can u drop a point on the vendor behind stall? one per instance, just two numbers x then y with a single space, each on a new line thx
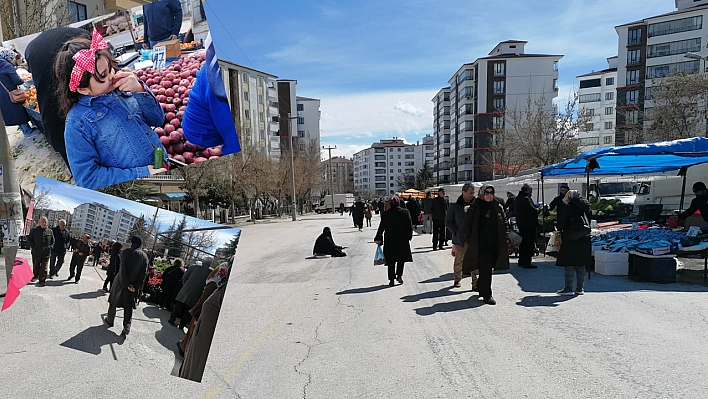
700 203
162 20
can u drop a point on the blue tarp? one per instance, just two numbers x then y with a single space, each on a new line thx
634 159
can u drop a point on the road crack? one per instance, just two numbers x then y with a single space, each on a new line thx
307 356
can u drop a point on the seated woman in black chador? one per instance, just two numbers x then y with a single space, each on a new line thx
325 245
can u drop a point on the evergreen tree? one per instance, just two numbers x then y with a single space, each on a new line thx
175 245
139 228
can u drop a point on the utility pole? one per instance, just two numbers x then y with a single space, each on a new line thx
11 216
331 176
292 164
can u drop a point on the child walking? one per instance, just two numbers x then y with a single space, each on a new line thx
108 116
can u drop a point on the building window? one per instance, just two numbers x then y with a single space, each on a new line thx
632 117
555 66
77 12
399 164
589 98
633 57
634 37
584 84
261 116
498 104
499 69
498 87
607 139
391 177
632 97
610 96
390 156
391 184
609 110
245 77
589 127
301 133
633 77
300 121
674 48
609 81
379 150
262 134
676 26
379 157
300 107
247 114
390 170
589 111
608 125
380 164
659 71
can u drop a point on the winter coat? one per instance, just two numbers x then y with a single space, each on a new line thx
358 209
198 347
455 220
396 232
427 203
438 208
41 241
413 209
108 137
510 206
133 269
576 252
114 262
193 283
97 250
526 212
367 211
82 247
471 236
13 114
558 203
325 245
697 204
61 240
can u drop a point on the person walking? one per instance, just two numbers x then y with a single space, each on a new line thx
367 213
414 210
124 291
527 222
510 198
438 209
14 114
395 233
341 208
486 233
576 247
97 252
172 283
61 242
81 252
113 265
454 221
427 218
41 241
358 213
193 283
382 205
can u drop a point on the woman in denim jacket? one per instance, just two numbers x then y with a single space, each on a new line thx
108 116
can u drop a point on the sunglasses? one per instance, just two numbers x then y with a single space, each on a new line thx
489 192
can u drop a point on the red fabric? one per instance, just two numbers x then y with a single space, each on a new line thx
21 275
86 60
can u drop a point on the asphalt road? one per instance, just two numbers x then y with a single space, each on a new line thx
293 327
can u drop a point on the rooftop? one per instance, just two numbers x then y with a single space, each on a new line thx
645 20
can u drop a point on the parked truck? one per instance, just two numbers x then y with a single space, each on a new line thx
325 204
667 191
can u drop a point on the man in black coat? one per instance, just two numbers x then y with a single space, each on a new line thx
509 205
81 252
358 213
527 221
454 221
97 252
438 209
61 242
124 292
557 202
700 203
413 209
40 54
41 241
427 219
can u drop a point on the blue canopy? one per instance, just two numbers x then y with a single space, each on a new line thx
634 159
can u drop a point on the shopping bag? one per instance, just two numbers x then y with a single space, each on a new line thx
379 258
514 239
421 218
554 243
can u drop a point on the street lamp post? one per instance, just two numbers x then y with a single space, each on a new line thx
292 165
331 176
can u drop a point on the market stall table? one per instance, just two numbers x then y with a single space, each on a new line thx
700 249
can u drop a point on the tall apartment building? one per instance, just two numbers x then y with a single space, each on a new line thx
425 152
101 222
653 48
377 169
53 217
298 119
342 170
597 102
480 94
253 98
441 133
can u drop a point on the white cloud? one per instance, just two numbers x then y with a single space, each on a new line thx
408 108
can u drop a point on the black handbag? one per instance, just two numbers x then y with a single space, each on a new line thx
575 234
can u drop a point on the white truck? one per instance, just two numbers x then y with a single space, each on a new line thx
667 190
325 204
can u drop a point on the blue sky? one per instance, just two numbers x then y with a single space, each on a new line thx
376 64
65 196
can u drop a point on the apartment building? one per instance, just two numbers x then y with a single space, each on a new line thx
441 133
378 169
652 48
101 222
53 217
308 123
342 172
298 119
481 94
597 102
253 98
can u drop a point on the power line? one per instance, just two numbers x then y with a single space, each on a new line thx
228 33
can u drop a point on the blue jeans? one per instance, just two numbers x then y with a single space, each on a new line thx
26 129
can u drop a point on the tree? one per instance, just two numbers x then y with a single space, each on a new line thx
194 176
424 177
406 180
676 107
139 229
197 242
230 248
134 190
25 17
175 242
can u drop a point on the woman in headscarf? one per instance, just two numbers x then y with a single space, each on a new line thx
14 114
486 234
576 246
324 245
395 233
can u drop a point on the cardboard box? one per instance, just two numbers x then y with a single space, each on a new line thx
172 49
612 268
611 257
658 250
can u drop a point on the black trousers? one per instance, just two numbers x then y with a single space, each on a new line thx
76 266
438 233
127 316
485 263
55 263
109 280
395 269
527 247
96 260
181 311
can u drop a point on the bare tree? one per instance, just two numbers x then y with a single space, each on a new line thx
675 107
42 197
134 190
194 176
197 240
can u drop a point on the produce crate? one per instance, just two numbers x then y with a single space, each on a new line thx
36 118
654 269
172 49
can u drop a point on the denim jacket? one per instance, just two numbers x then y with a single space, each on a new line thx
109 139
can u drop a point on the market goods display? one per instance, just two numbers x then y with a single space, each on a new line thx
171 87
31 101
190 46
652 241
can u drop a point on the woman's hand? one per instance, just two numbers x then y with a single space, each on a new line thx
125 80
154 171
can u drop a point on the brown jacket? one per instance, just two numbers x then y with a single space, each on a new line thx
471 237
